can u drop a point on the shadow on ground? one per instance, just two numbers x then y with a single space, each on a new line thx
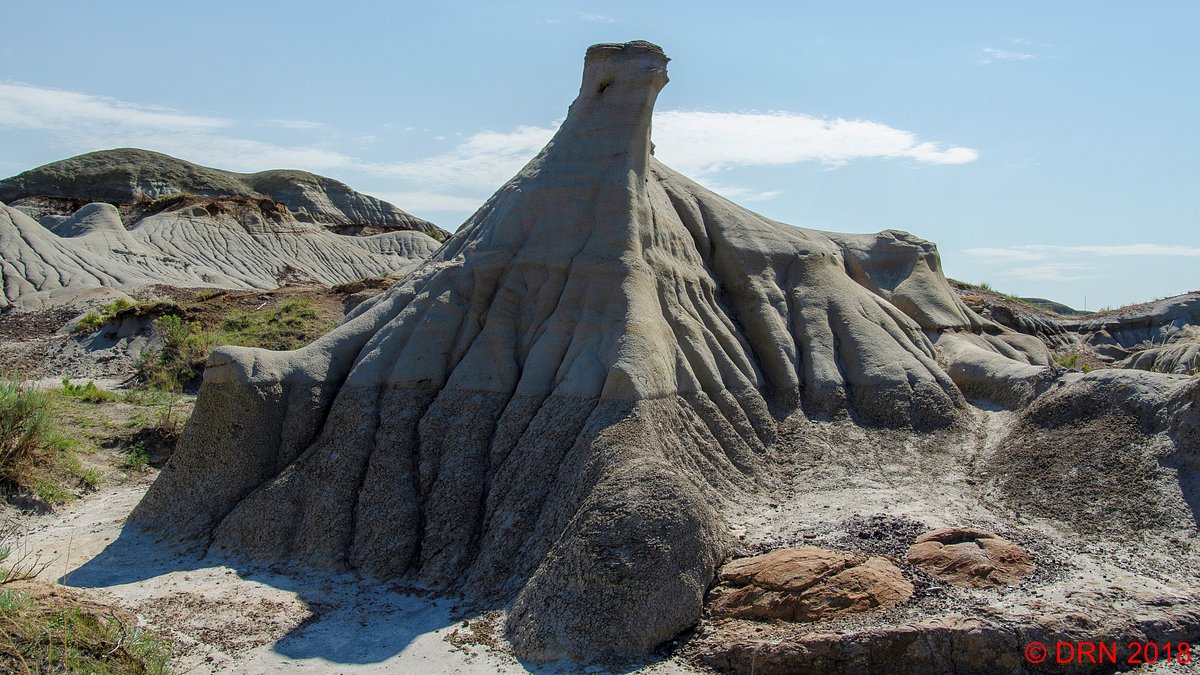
353 621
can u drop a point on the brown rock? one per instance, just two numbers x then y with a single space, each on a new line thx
806 584
970 557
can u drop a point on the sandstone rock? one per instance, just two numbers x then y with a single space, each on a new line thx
807 583
970 557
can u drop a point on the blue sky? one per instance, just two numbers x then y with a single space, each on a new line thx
1050 149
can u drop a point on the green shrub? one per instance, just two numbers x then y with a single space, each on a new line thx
51 492
90 322
185 348
1072 362
87 392
24 427
187 344
137 458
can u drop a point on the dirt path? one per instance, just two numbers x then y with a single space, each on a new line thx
255 619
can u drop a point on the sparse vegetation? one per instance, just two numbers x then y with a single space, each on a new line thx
47 437
96 318
1072 361
185 348
137 458
24 432
293 325
187 344
86 392
17 563
48 629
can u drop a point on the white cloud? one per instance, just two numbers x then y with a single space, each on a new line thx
700 143
430 201
1067 263
24 106
1051 272
597 18
1007 255
80 122
1139 249
990 55
1034 252
477 165
739 194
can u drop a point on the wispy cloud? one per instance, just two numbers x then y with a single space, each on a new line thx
597 18
699 144
1049 262
23 106
1007 255
742 194
79 122
430 201
991 55
1051 272
476 166
295 124
1034 252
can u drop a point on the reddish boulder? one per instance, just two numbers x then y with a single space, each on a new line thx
970 557
806 584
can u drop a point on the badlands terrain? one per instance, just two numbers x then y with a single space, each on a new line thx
615 421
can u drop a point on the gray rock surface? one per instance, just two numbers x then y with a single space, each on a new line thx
1161 336
579 404
196 243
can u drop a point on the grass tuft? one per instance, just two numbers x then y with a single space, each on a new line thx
47 629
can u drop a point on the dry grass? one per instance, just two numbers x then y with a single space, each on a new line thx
45 628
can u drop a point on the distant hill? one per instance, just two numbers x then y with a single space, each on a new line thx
1054 307
127 177
116 220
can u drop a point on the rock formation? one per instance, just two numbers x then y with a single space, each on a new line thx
1160 336
123 218
577 406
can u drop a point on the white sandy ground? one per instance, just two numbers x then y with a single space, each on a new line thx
258 620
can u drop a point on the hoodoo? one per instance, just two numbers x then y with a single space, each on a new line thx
565 411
